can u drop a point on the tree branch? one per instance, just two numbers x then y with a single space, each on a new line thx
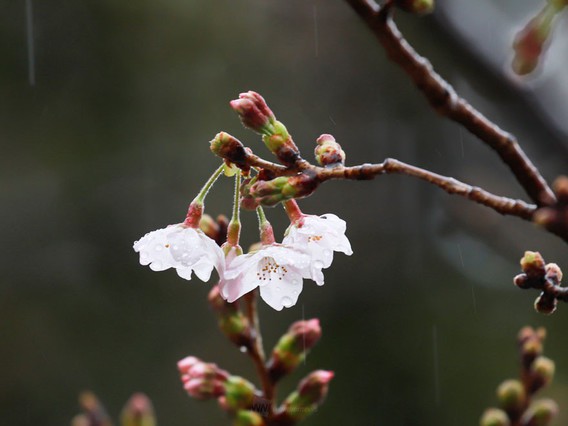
443 98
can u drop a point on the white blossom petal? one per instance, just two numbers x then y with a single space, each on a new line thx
278 271
185 249
319 237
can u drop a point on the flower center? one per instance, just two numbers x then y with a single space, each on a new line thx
269 270
315 238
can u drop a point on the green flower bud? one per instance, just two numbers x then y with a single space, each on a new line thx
328 152
232 322
494 417
272 192
533 265
512 396
540 413
248 418
280 143
292 347
239 393
542 373
138 411
306 399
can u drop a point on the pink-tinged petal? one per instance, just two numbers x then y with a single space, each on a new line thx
203 270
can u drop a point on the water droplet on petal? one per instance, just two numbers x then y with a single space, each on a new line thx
296 281
158 247
287 302
327 252
278 289
318 264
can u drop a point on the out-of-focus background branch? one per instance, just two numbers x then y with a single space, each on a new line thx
109 141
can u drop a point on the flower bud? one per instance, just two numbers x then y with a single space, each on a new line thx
94 411
545 304
560 187
554 273
239 393
512 396
248 418
229 148
529 43
138 411
202 380
328 152
415 6
494 417
532 264
541 373
232 322
272 192
309 395
292 347
254 112
209 227
522 281
540 413
280 143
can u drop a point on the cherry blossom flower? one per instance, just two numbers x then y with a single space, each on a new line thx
181 247
318 237
276 269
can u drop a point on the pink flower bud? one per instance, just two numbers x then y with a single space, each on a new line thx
202 380
254 112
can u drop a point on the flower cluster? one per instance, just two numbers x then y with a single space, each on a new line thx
276 269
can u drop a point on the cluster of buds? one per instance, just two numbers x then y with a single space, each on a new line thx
138 411
415 6
555 218
237 396
544 277
265 188
531 42
514 396
256 115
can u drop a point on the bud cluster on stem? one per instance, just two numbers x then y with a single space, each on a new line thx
544 277
515 395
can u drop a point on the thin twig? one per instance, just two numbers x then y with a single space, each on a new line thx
443 98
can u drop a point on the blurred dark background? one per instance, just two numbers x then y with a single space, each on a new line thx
107 108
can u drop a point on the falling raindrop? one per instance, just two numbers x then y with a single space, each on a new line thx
243 349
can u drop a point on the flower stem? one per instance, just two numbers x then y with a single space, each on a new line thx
200 198
292 210
266 231
234 230
257 352
195 210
